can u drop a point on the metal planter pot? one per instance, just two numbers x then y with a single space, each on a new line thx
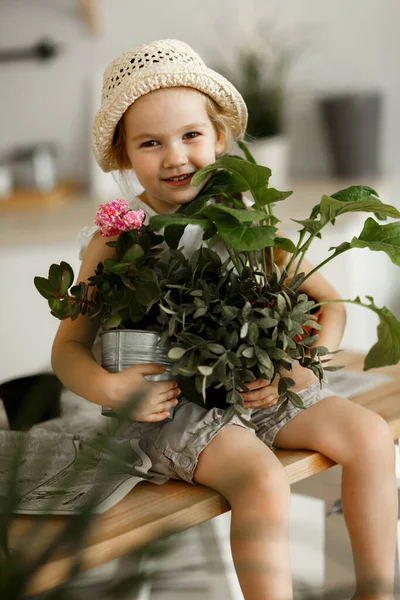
122 348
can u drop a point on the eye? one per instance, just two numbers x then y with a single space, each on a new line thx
191 135
149 144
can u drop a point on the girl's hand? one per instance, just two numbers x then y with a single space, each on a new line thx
303 377
262 394
156 398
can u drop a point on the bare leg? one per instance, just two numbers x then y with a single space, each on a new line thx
246 472
361 441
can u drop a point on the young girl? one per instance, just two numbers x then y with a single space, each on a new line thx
165 115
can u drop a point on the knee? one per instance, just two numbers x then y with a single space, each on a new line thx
263 483
373 442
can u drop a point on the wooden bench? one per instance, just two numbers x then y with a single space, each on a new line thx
151 510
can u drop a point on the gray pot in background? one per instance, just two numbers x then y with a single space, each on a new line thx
352 125
122 348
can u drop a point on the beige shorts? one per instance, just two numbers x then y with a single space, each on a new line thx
174 446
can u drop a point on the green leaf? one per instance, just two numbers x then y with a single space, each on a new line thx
223 182
176 353
281 408
234 397
248 352
148 293
79 290
233 359
243 237
331 208
378 237
231 340
187 372
231 312
125 240
55 275
285 244
355 193
159 221
253 334
272 195
205 370
267 323
112 322
387 349
279 354
303 307
55 305
45 288
173 234
216 348
115 266
133 254
244 148
243 216
244 329
284 384
264 359
66 281
311 225
255 176
295 399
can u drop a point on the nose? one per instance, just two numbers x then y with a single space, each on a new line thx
175 156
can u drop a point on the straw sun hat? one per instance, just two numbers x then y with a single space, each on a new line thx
160 64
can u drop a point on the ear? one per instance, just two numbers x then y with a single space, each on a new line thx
219 143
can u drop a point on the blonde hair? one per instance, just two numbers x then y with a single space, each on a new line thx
223 122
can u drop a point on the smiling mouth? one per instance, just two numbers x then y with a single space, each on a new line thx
180 177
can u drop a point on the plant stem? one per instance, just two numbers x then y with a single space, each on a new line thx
294 255
235 262
324 262
348 302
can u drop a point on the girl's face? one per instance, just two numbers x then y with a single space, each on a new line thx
169 137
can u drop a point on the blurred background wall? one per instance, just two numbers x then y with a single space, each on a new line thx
344 45
336 47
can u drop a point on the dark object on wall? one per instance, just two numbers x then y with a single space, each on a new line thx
41 51
352 124
30 400
34 167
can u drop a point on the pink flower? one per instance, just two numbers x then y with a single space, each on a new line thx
115 217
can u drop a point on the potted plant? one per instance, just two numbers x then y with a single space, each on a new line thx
227 322
260 73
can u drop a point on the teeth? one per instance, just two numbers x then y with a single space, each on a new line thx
181 178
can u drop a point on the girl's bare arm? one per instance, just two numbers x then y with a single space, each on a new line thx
332 316
72 358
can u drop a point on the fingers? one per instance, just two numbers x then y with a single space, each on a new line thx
257 394
260 397
163 387
147 369
162 414
262 403
171 393
257 383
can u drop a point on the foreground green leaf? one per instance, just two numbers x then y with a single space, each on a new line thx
378 237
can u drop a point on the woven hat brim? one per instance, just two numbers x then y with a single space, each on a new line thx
207 81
